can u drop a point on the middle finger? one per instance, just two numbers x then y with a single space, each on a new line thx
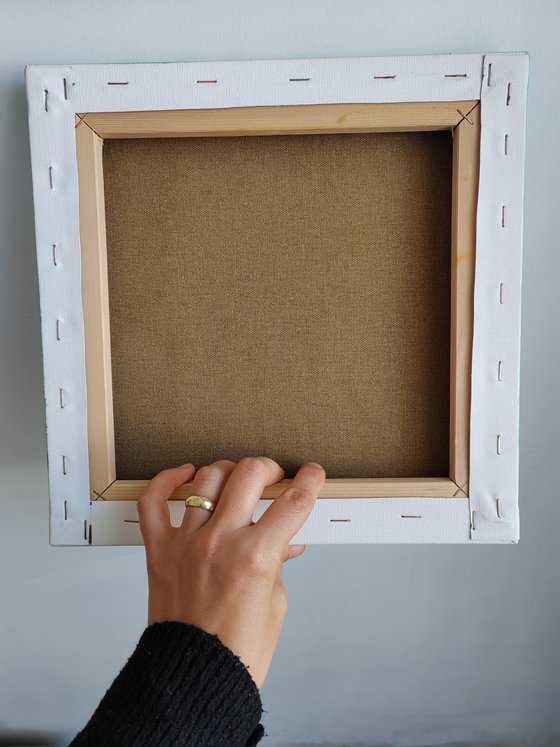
243 490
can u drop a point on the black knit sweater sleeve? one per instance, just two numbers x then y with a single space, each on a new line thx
181 686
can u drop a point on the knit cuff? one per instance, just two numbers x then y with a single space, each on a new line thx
181 686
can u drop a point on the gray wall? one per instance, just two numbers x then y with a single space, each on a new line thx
383 645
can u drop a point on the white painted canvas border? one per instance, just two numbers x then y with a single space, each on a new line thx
56 93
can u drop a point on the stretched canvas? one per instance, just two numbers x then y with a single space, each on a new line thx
312 259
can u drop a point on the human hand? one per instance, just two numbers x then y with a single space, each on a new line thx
221 571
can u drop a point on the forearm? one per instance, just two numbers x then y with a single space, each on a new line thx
180 687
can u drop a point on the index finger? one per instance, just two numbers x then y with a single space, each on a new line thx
289 511
153 510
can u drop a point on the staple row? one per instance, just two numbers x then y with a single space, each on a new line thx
58 322
55 263
501 299
291 80
502 286
460 76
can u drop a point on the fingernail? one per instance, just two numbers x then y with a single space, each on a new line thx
184 466
315 464
296 550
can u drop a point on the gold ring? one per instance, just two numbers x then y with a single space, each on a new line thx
200 502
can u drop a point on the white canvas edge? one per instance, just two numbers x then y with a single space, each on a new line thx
494 443
56 93
343 521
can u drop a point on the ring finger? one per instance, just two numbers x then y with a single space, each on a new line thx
208 482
